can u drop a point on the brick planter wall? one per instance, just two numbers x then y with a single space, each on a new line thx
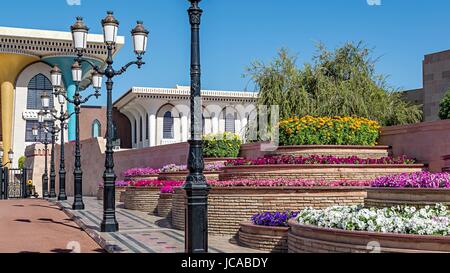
218 160
181 176
142 178
272 239
334 150
164 207
311 239
388 197
228 207
142 199
317 171
120 196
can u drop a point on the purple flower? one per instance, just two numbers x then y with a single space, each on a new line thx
273 219
140 172
422 179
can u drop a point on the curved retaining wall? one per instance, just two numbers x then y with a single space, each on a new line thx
334 150
328 172
181 176
142 199
120 196
272 239
164 207
228 207
311 239
388 197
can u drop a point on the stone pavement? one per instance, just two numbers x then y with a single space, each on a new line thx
37 226
140 232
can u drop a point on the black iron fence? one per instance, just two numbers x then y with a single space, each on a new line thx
13 183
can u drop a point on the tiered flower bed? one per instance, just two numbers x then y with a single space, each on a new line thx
174 172
232 202
333 150
355 229
121 187
139 174
144 195
416 189
267 231
317 168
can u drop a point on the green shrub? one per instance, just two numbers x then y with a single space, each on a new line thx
444 107
221 145
310 130
22 162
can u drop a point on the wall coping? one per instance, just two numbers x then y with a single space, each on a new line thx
367 234
323 166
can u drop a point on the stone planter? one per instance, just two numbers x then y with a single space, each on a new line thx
312 239
218 160
143 199
272 239
333 150
388 197
120 193
228 207
327 172
181 176
142 178
164 207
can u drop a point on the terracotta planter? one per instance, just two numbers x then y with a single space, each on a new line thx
143 199
272 239
312 239
181 176
228 207
119 193
388 197
164 207
327 172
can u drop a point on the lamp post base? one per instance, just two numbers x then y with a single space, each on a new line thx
62 197
52 195
79 205
109 226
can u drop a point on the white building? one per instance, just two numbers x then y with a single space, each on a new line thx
161 116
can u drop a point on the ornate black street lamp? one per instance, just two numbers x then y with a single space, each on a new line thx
140 36
196 187
10 157
52 130
46 142
63 116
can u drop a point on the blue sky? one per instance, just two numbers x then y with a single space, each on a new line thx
236 32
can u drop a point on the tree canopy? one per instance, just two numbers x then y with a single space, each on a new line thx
342 82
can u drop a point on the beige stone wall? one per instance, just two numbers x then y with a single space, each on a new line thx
272 239
143 199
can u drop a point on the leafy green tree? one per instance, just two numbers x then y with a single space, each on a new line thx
444 106
342 82
22 162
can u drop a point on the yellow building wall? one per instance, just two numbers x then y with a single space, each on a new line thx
10 67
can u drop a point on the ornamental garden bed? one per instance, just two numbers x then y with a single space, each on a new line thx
414 189
143 199
397 229
139 174
229 204
164 207
181 176
360 151
328 172
266 238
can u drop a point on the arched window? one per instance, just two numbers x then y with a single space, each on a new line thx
96 128
168 126
230 123
36 87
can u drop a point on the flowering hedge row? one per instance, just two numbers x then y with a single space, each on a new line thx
317 159
273 219
414 180
221 145
406 220
310 130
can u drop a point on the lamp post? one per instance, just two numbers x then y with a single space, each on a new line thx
56 76
3 181
52 130
196 187
10 157
140 36
46 142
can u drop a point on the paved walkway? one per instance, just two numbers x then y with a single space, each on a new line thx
37 226
140 232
